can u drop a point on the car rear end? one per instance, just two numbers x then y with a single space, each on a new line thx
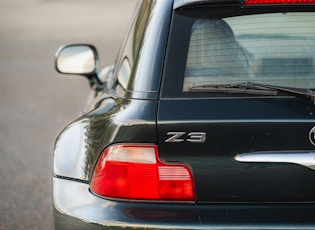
251 150
230 159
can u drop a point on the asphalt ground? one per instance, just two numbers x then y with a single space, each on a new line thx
35 101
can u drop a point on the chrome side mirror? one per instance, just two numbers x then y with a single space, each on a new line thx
77 59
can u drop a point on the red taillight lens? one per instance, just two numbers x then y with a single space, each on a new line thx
135 172
276 2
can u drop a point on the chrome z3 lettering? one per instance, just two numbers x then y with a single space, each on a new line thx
193 137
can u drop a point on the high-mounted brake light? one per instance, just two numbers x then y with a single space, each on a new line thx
136 172
277 2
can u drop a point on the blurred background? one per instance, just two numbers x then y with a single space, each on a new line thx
35 101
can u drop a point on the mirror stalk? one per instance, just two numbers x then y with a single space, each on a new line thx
95 83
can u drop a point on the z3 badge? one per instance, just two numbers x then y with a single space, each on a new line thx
193 137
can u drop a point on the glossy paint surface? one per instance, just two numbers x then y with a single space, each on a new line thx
75 199
212 131
112 121
233 124
74 203
236 126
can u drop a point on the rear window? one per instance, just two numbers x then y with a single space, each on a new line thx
276 49
268 48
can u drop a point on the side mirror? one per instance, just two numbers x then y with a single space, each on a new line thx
79 59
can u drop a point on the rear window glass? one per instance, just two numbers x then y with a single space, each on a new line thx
271 48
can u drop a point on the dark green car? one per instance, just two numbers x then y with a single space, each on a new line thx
206 120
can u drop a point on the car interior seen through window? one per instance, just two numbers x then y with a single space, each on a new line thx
274 48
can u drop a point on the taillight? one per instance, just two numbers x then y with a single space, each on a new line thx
277 2
136 172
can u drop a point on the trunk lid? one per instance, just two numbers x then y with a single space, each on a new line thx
240 126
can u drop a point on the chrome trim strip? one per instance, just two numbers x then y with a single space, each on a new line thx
306 159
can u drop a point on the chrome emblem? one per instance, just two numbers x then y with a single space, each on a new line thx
312 136
193 137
